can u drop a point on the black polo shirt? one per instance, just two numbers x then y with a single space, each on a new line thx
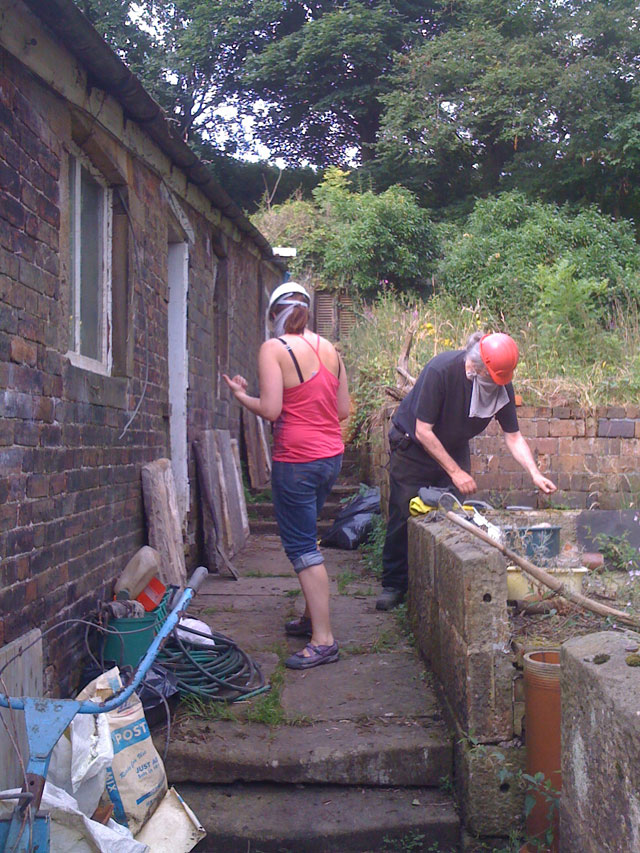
442 397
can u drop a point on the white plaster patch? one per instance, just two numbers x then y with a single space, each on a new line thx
580 775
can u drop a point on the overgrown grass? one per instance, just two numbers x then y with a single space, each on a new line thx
559 364
371 550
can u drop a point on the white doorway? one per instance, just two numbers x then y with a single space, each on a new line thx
178 277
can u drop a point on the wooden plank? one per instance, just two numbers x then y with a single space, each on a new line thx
266 448
258 454
206 453
23 677
163 520
235 447
232 494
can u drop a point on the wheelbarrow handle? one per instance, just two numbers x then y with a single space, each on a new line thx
197 578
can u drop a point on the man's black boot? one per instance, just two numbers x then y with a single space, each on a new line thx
390 598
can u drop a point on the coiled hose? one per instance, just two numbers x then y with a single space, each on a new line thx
222 672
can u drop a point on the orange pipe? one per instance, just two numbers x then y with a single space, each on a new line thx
542 739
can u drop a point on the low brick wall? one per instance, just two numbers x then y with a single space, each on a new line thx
600 802
591 454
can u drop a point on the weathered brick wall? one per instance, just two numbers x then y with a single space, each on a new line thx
71 509
592 456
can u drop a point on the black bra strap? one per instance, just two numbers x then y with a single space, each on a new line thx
293 358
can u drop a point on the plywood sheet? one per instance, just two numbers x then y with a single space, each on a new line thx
163 520
235 447
218 532
232 493
23 677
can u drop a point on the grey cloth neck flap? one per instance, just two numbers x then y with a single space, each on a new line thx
487 398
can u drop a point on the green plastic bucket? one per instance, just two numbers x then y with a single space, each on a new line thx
132 640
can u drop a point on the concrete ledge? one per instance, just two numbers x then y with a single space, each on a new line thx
600 802
458 610
487 786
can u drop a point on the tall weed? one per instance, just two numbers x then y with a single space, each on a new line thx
561 362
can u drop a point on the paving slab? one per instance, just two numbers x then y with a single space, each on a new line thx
321 819
335 776
255 617
361 686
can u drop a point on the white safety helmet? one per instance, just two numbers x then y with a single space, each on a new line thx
286 289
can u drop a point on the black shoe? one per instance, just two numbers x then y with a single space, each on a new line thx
390 598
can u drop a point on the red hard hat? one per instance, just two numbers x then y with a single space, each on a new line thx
500 355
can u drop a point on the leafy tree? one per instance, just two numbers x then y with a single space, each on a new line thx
542 96
306 76
358 240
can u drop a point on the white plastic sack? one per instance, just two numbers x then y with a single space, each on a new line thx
173 828
80 759
136 781
182 630
73 832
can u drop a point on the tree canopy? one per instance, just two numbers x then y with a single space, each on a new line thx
542 96
306 76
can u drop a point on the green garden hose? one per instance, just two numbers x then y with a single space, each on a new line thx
222 672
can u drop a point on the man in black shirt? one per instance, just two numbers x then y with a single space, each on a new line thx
454 399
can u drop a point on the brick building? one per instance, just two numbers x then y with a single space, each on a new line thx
129 281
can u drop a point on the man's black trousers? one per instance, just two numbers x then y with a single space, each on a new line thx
410 468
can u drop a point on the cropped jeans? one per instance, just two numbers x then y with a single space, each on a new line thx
299 492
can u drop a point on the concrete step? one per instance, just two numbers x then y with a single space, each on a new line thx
264 511
371 752
267 525
322 819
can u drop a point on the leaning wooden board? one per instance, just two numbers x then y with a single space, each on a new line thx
258 453
163 520
234 508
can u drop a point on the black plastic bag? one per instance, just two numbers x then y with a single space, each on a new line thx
354 522
158 683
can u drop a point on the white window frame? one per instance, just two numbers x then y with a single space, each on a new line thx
76 161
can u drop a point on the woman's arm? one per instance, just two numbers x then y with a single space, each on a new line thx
521 452
269 404
343 399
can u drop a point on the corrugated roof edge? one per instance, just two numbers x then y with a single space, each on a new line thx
83 40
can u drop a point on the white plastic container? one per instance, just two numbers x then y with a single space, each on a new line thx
141 568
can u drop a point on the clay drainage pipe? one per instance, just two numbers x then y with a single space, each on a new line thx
545 578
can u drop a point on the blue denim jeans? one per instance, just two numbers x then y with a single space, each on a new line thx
299 492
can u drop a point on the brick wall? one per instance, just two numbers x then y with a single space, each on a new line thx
71 510
590 454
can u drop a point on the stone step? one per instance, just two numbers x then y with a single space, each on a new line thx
264 511
371 752
322 819
267 525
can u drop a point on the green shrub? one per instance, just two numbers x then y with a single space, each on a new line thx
499 256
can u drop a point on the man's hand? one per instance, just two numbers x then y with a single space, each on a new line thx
464 482
544 484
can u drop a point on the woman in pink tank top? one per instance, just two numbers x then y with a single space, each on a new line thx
304 392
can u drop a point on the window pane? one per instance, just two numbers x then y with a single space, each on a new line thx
91 266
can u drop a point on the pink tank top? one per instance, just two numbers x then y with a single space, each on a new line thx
308 427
